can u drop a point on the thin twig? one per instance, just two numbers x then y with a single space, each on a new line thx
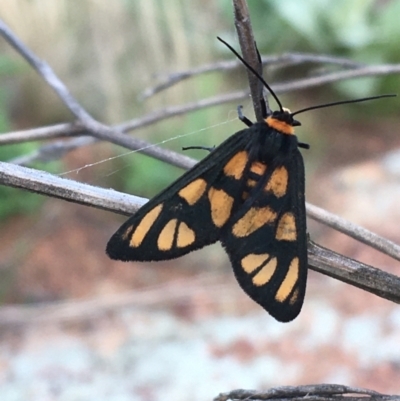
285 59
351 271
40 134
172 111
353 230
313 392
250 54
322 260
45 71
87 122
48 184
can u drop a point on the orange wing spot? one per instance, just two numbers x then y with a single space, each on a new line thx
253 261
278 182
144 226
235 167
186 236
258 168
193 191
253 220
165 240
265 274
286 230
221 206
286 288
245 195
280 126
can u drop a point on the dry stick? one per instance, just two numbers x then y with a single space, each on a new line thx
322 260
307 392
39 134
87 121
172 111
48 184
353 272
249 53
96 129
285 59
353 230
45 183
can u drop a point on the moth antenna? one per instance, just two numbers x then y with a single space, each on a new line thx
249 67
321 106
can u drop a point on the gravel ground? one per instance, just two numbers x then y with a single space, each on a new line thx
153 354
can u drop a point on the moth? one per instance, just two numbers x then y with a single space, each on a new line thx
248 193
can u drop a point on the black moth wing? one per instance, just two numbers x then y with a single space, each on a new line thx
187 214
269 258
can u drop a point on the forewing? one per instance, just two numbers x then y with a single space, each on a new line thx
267 243
190 213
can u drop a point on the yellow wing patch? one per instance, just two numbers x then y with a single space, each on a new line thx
186 235
253 261
265 274
193 191
221 206
289 282
278 182
144 226
235 167
254 219
286 230
165 239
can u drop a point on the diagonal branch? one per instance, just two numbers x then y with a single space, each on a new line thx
71 129
45 71
250 54
285 59
322 260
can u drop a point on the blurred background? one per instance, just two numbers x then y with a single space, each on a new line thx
75 325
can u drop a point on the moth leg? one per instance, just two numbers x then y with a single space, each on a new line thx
303 145
209 148
242 118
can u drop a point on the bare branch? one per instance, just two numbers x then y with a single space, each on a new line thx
53 151
353 230
45 71
249 52
322 260
47 184
37 134
285 59
87 122
350 271
159 115
313 392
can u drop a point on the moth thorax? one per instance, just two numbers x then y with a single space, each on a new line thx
280 125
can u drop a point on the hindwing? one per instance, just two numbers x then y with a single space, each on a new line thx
266 239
